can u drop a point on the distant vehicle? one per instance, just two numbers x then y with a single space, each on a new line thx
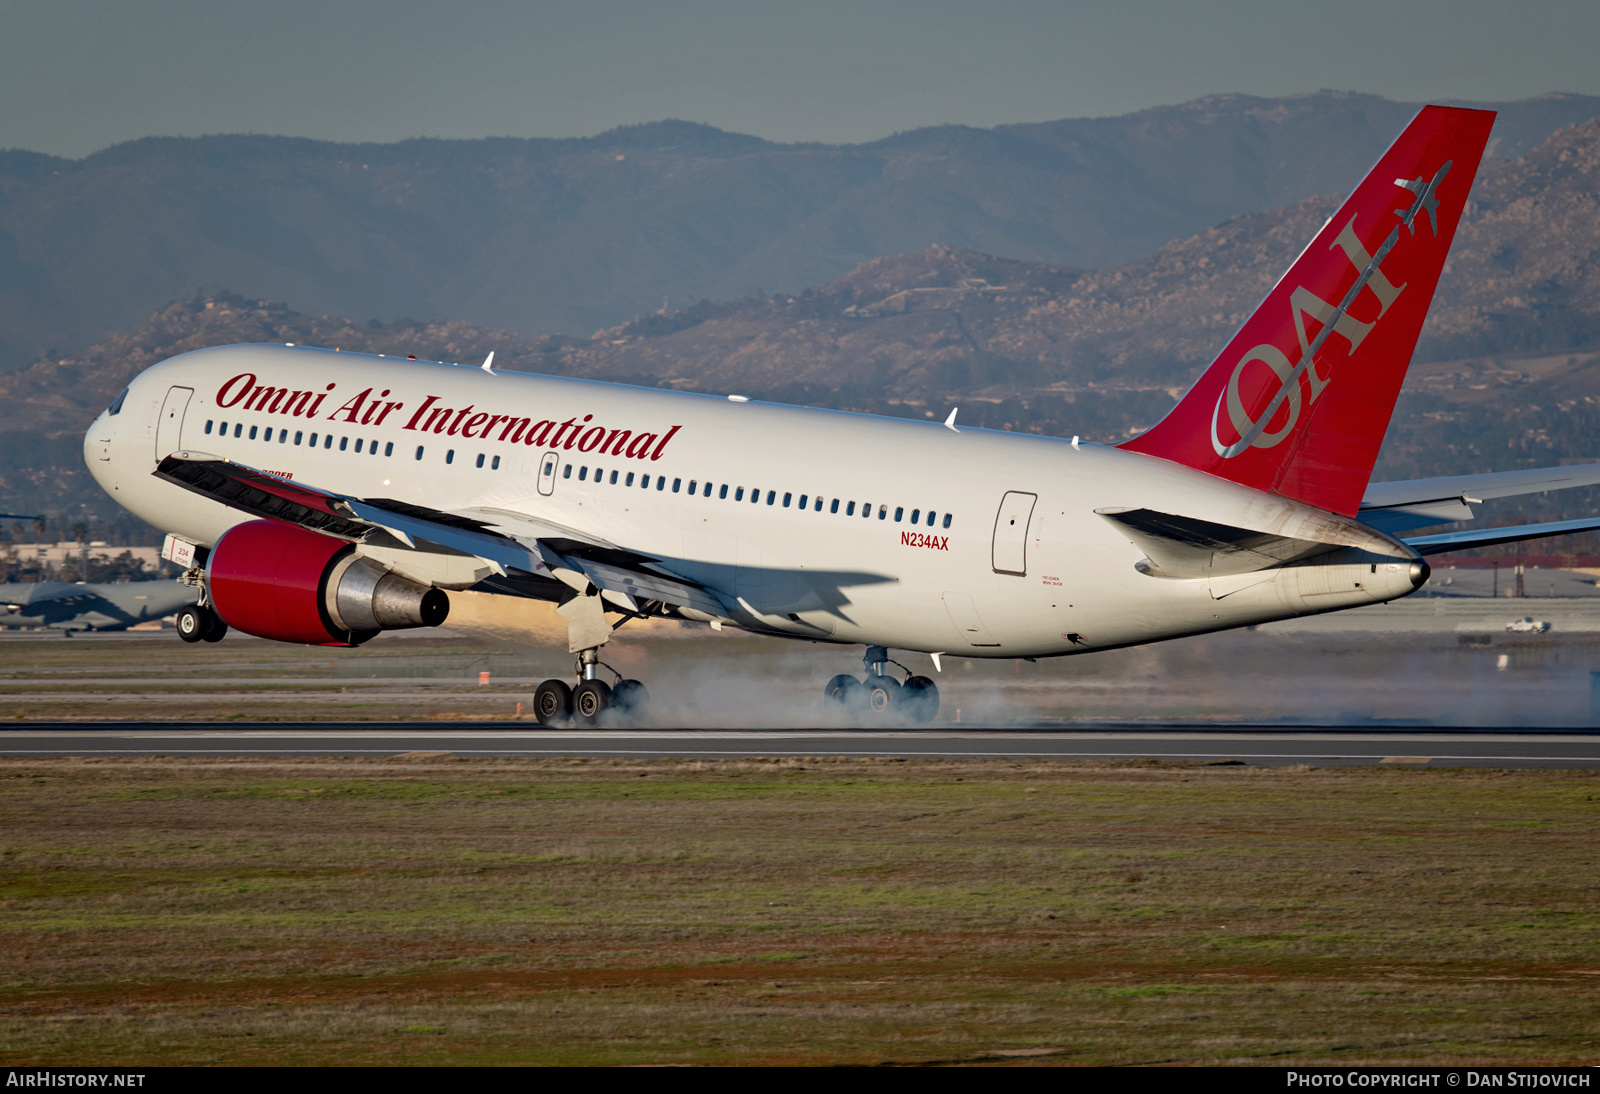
61 605
1527 625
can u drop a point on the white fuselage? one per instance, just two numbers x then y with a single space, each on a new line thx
997 580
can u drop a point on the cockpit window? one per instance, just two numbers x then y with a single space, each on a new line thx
116 404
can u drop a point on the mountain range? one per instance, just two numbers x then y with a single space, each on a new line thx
1507 373
569 236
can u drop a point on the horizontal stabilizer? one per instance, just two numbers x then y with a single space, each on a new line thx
1189 547
1416 503
1486 537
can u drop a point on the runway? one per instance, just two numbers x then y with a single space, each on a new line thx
1261 745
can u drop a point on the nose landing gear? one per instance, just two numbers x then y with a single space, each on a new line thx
554 703
198 623
880 696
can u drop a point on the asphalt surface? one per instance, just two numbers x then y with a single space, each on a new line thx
1262 745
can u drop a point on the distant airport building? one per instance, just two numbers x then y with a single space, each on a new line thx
52 555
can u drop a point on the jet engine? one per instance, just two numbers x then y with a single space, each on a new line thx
278 581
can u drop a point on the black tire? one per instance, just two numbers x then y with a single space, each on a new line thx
192 622
589 701
216 630
552 703
885 697
630 698
921 696
843 692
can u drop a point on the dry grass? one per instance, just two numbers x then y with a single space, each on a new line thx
821 911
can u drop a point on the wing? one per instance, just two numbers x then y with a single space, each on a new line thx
1417 503
516 546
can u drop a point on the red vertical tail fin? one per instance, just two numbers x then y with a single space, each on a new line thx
1298 402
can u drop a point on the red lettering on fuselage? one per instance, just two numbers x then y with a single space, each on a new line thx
363 408
919 539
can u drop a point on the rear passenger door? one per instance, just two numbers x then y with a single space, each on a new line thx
1010 548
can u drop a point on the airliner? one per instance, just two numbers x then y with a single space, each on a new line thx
316 496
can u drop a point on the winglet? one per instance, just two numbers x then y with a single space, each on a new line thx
487 362
950 422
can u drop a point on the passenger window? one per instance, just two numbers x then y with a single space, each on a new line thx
583 472
312 443
358 446
931 515
772 496
480 462
708 489
916 516
787 498
239 426
803 498
850 510
614 478
388 449
344 443
450 457
661 482
693 487
566 472
676 484
494 464
419 450
208 427
834 508
819 503
738 495
947 520
297 436
252 433
630 479
883 512
327 442
266 434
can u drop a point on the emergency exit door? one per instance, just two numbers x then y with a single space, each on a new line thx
1011 532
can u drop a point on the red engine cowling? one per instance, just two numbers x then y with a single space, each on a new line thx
279 581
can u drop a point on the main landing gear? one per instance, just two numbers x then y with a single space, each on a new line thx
880 696
198 623
554 703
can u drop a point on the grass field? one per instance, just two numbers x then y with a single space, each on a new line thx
425 910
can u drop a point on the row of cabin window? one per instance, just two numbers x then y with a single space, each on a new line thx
327 441
299 438
806 501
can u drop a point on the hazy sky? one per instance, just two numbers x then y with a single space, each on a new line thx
77 75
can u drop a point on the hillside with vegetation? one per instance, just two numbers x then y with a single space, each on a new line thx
574 235
1507 373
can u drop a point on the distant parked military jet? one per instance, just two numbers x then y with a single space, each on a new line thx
81 607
